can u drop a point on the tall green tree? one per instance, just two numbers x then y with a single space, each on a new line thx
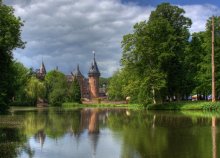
35 90
10 38
21 78
56 84
115 87
203 75
155 53
75 92
171 48
197 63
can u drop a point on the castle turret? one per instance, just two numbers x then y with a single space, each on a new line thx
94 75
42 69
41 72
78 72
80 78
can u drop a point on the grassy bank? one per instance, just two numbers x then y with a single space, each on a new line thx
187 105
74 105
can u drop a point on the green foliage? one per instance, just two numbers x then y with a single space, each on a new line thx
72 105
75 92
4 106
115 87
21 78
10 26
198 60
211 106
22 103
153 58
159 61
35 89
56 84
204 66
57 96
11 142
10 38
103 81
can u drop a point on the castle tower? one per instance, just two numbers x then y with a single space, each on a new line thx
80 78
41 72
42 69
94 75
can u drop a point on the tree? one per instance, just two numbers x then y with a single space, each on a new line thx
35 90
56 84
75 92
21 78
103 82
154 53
115 87
10 38
204 66
171 48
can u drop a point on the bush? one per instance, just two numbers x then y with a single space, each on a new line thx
58 104
71 104
18 103
211 106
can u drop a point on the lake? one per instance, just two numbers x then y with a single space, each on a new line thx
109 133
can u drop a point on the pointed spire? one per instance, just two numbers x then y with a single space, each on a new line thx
78 72
42 68
94 70
93 55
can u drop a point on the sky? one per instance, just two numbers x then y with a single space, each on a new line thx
64 33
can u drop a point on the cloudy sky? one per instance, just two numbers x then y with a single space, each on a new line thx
65 32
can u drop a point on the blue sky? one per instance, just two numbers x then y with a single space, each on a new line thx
66 32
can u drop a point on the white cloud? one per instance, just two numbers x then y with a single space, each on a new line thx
65 32
199 15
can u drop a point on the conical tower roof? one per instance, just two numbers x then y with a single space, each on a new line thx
94 70
42 68
78 73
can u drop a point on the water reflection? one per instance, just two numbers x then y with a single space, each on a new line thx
94 122
214 148
109 133
40 137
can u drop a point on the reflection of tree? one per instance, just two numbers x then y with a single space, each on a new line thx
143 133
27 149
54 123
214 147
187 136
40 137
11 142
174 135
139 139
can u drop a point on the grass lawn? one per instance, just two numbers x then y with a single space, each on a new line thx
185 105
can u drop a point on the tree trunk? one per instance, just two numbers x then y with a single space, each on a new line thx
154 97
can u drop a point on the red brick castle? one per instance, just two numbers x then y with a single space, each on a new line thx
89 86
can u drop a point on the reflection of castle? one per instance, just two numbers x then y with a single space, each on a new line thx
89 86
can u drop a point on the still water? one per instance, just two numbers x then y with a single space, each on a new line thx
109 133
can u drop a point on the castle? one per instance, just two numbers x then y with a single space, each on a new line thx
89 86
